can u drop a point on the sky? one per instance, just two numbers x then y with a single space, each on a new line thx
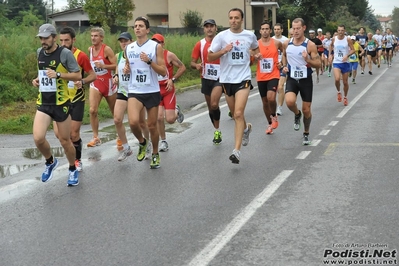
381 7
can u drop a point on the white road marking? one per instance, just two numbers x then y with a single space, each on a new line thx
303 155
224 237
333 123
360 95
324 132
315 142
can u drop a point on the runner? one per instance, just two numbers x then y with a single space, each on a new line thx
301 55
318 44
56 66
233 47
378 37
122 81
320 50
326 45
144 62
343 49
76 91
372 45
103 61
210 72
362 39
354 58
388 41
278 30
268 74
167 108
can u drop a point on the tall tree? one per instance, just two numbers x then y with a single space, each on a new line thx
15 6
370 20
76 3
395 18
109 12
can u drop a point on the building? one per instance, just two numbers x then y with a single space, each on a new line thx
75 17
385 22
167 13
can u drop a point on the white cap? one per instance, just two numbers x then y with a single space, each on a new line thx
311 31
353 38
319 30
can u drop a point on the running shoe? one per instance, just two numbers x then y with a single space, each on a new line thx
119 144
73 178
269 130
362 72
306 140
180 115
245 137
79 165
94 142
378 66
371 73
142 151
297 121
230 115
235 156
163 146
217 137
155 161
353 81
274 121
345 101
317 80
124 154
350 74
329 74
279 110
339 97
48 172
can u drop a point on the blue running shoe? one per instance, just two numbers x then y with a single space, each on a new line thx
48 172
73 179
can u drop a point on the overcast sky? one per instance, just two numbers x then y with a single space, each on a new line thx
381 7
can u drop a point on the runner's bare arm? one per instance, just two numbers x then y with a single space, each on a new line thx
175 61
314 59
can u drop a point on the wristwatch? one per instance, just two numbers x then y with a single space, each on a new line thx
149 62
173 80
58 75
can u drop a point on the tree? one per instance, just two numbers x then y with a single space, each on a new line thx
15 6
109 12
191 19
395 18
76 3
370 20
30 18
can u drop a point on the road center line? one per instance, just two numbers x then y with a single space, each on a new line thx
360 95
324 132
217 244
303 154
333 123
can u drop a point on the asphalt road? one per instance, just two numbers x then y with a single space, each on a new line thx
284 204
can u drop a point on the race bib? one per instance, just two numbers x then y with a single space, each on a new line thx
211 71
299 72
236 56
370 47
141 77
123 81
362 41
340 54
266 65
46 84
71 85
162 78
97 70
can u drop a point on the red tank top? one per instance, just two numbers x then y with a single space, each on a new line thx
105 73
267 66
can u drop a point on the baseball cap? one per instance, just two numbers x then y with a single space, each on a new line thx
209 21
125 35
319 30
311 31
353 38
158 37
46 30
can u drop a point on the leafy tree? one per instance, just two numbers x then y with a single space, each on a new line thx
370 19
395 18
344 17
109 12
191 19
76 3
30 17
15 6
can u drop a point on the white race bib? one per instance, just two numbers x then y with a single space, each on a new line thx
46 84
98 71
141 77
236 56
299 72
211 71
71 85
362 41
123 81
266 65
340 54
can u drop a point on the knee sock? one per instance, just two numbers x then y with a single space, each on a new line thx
78 148
211 116
216 114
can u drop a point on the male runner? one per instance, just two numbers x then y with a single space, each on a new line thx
326 44
378 37
318 44
362 39
354 58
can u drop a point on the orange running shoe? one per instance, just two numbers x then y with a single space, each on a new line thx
269 130
94 142
345 101
274 122
339 97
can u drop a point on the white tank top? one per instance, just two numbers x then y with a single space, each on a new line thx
341 48
123 79
143 79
